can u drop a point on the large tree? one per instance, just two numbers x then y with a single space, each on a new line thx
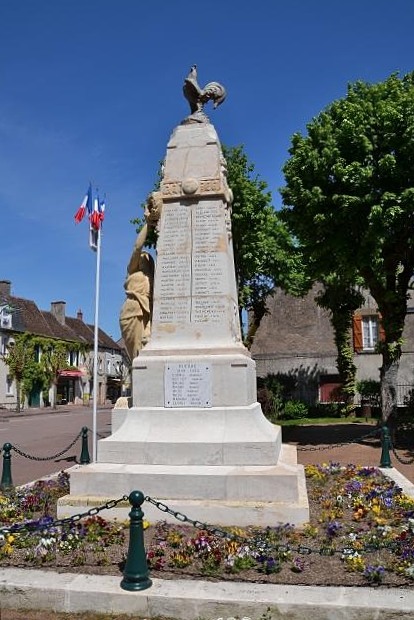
349 199
264 253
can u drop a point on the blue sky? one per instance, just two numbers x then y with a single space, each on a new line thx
92 89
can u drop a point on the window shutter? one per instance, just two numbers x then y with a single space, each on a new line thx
357 332
381 330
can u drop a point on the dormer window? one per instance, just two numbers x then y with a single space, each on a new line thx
5 317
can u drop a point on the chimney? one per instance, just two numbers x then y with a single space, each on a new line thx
79 315
5 288
57 308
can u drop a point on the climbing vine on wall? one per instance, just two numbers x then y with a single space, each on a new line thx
35 361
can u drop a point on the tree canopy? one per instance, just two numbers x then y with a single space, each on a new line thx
264 253
349 200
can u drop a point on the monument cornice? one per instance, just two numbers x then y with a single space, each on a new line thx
195 188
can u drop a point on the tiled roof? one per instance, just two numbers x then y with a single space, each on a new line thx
87 332
28 318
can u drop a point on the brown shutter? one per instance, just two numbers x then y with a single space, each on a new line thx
381 330
357 332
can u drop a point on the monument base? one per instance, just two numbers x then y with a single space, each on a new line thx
218 495
223 463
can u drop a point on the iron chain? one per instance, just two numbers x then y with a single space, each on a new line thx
34 525
400 459
339 445
100 435
197 524
257 544
46 458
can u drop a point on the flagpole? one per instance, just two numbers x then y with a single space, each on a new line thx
95 347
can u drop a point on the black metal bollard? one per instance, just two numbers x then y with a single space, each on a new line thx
385 445
136 574
6 477
84 457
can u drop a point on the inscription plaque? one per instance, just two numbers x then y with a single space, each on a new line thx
187 384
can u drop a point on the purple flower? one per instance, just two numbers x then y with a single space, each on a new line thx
332 528
374 574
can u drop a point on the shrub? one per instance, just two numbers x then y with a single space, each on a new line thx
269 403
294 410
369 389
326 410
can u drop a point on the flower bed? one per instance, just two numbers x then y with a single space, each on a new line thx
361 531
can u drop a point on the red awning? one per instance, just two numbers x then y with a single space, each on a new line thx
70 373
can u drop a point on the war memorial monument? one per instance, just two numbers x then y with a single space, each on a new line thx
195 436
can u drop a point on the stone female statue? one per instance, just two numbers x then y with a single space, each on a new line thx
135 316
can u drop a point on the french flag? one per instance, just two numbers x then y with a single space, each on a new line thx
97 215
85 206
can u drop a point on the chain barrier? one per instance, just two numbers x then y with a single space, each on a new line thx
198 524
31 526
339 445
100 435
46 458
261 546
401 459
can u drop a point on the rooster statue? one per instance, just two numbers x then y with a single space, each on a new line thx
197 96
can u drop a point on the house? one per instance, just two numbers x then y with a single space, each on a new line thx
75 382
296 340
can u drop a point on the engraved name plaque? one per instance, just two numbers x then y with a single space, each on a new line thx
187 384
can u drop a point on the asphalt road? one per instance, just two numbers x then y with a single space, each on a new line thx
44 433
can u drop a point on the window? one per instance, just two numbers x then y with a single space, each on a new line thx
330 389
369 332
5 319
37 353
4 341
9 386
73 358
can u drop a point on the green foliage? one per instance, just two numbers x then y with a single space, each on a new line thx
294 410
326 410
369 389
264 252
349 200
272 393
19 359
342 299
28 372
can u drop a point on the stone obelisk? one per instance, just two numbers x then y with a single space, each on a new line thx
195 436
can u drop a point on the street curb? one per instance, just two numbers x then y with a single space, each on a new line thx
190 600
8 414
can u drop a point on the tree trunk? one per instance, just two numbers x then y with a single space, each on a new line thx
259 310
389 379
54 395
18 390
344 360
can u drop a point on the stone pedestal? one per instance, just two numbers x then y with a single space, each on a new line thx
195 437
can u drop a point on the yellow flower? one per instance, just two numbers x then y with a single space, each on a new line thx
376 509
355 563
